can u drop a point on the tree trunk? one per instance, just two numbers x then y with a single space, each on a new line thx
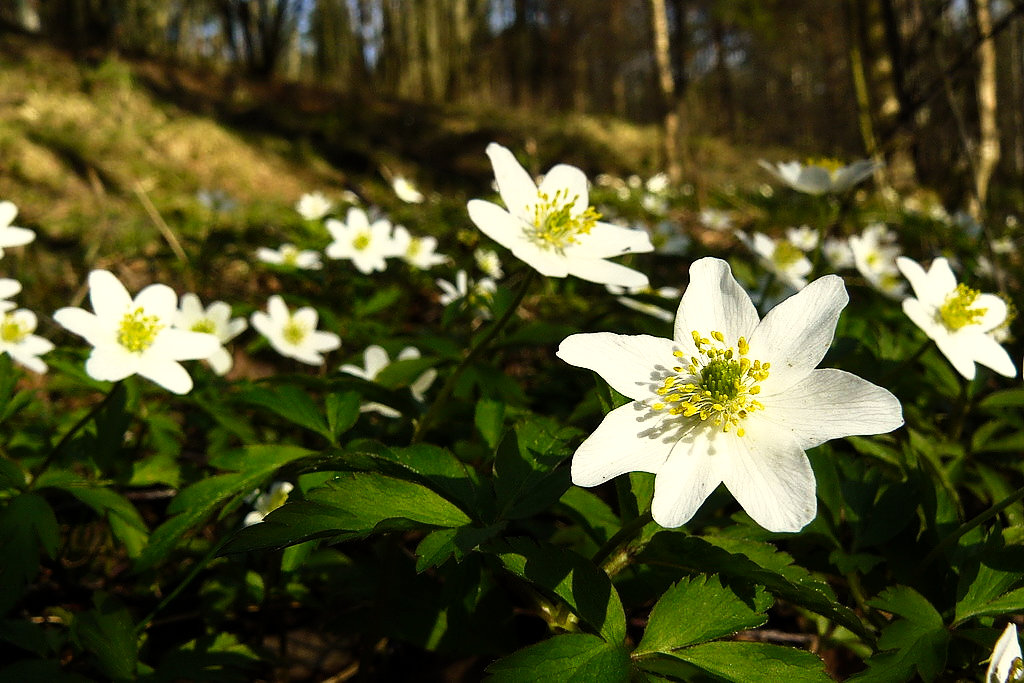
667 90
988 129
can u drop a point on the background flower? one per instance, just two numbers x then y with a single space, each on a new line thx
294 335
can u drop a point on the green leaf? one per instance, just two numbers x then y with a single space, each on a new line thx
440 544
527 478
984 580
217 657
586 589
108 632
354 503
752 662
125 521
915 642
27 525
755 562
1007 398
402 373
381 300
569 657
289 402
591 513
700 609
193 505
11 476
342 413
490 418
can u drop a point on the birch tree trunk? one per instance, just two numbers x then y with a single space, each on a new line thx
988 129
667 90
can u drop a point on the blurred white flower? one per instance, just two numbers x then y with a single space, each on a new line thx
375 359
645 307
731 398
294 335
657 183
553 228
803 238
1012 221
487 260
716 219
1003 246
874 255
18 341
766 190
652 203
313 206
478 295
215 319
837 251
366 244
634 182
416 251
960 320
8 288
779 256
291 256
11 235
821 175
136 336
406 191
1006 664
267 502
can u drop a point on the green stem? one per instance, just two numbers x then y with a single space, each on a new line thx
211 553
449 386
620 539
970 526
55 451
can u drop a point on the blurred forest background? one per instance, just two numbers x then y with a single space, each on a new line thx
935 88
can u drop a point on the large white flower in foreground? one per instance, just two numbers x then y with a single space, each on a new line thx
294 335
17 340
820 176
367 244
375 359
553 227
960 320
215 319
731 398
1006 665
136 336
12 235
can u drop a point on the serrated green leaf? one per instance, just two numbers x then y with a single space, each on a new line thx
700 609
984 579
586 589
489 418
289 402
579 657
527 478
108 632
916 642
740 662
592 513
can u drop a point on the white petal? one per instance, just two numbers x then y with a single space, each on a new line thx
110 300
941 277
829 404
688 477
356 220
606 240
623 442
959 351
606 273
634 365
183 345
111 364
770 476
168 374
323 341
515 185
375 358
813 180
8 212
1005 653
84 324
795 335
573 183
995 311
278 310
991 354
16 237
9 287
848 176
159 300
714 301
495 222
221 361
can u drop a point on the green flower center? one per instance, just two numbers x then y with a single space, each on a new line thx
786 254
289 255
956 312
138 331
12 331
362 241
294 332
828 163
555 227
717 385
205 325
414 248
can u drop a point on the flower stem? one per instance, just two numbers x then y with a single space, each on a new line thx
970 526
613 562
93 412
449 386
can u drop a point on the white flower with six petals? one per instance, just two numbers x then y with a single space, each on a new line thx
731 398
367 245
294 335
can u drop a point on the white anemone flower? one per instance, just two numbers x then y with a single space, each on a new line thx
406 191
1006 664
819 176
658 183
136 336
291 256
716 219
874 255
17 340
12 235
731 399
8 288
366 245
782 258
552 227
375 359
837 251
313 206
804 238
294 335
477 294
266 503
419 252
487 260
960 320
215 319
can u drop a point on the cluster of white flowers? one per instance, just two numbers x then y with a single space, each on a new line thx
18 325
369 245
